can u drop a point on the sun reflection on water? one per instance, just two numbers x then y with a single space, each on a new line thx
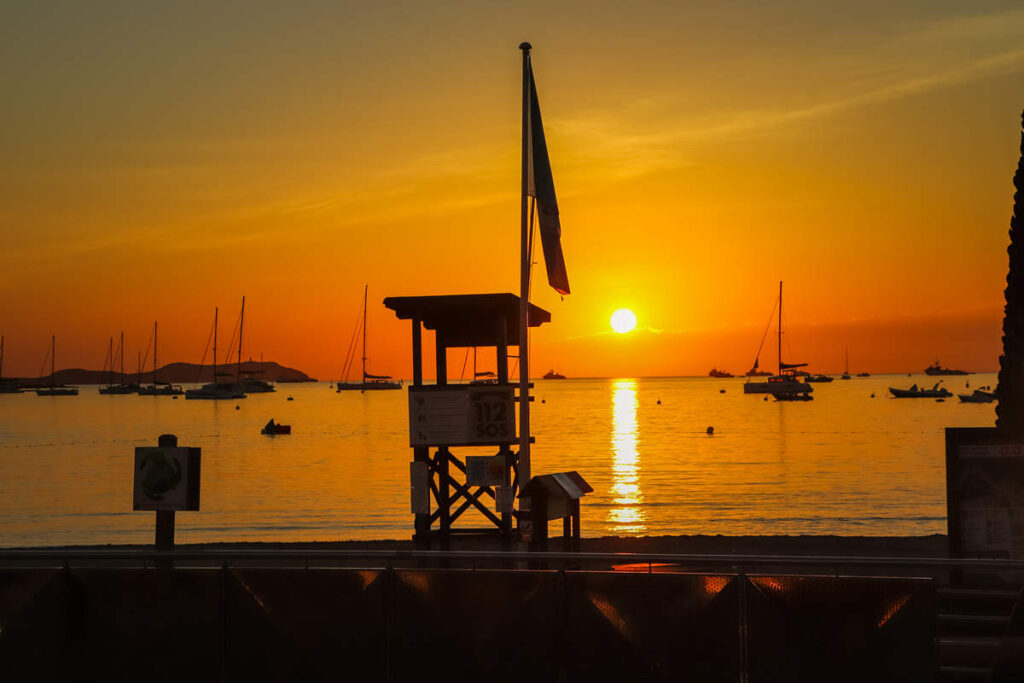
626 515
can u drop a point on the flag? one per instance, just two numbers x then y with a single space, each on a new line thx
541 186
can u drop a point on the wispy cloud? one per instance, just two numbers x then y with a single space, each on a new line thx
939 55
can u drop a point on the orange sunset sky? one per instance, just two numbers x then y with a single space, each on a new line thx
159 159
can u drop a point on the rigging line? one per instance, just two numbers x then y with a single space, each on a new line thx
42 368
234 337
149 345
347 366
199 374
766 329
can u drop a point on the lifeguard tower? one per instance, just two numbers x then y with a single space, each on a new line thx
473 414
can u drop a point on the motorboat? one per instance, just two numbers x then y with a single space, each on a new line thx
272 429
980 395
793 397
915 392
936 369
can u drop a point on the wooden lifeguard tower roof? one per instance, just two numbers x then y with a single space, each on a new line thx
467 319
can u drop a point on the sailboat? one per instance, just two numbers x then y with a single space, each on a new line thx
217 390
7 386
846 371
370 382
121 388
55 389
250 384
159 388
786 381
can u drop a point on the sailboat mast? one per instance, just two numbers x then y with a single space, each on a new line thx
53 364
366 290
154 353
109 366
780 327
215 311
122 357
1 357
241 324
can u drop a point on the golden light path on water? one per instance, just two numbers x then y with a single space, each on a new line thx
627 514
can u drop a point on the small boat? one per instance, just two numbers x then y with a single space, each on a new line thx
273 429
158 388
786 381
715 372
915 392
846 368
936 369
980 395
863 374
370 382
55 389
793 397
818 378
551 374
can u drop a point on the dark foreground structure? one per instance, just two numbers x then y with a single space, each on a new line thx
436 616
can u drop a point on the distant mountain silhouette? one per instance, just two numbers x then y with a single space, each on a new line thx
177 373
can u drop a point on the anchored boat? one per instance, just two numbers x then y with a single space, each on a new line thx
786 381
370 382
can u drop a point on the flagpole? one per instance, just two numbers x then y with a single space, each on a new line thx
524 292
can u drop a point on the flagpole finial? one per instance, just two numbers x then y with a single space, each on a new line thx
525 46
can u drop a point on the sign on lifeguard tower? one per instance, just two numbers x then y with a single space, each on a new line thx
462 415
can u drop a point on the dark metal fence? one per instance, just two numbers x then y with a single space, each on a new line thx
231 620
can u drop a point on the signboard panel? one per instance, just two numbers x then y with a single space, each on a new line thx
166 478
462 415
984 493
485 470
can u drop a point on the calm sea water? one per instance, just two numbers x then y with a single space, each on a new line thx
846 463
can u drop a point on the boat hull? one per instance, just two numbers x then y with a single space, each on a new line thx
367 386
215 392
119 389
920 393
57 391
777 387
165 390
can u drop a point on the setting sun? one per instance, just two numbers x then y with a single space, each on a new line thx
623 320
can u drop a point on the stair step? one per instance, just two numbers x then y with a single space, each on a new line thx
974 593
966 651
974 619
957 673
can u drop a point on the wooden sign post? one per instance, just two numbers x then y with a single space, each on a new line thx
166 480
